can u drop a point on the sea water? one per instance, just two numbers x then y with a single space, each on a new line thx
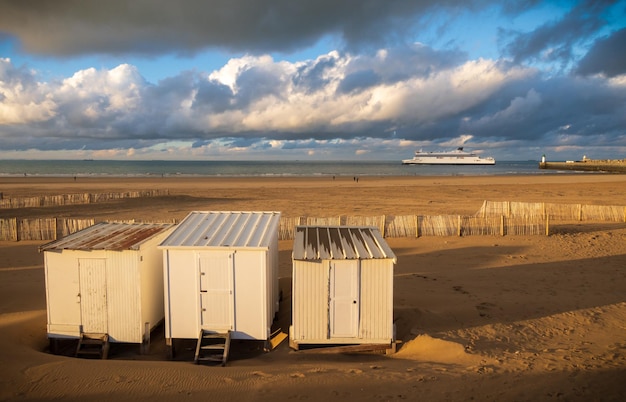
135 168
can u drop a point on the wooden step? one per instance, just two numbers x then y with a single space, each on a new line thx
93 345
212 346
215 358
87 341
212 335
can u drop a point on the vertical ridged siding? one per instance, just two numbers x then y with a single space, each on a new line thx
376 299
271 265
310 300
123 297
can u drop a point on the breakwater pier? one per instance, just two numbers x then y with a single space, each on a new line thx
589 165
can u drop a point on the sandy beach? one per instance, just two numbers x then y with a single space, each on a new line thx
484 318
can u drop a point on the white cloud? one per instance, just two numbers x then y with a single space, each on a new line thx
103 91
22 99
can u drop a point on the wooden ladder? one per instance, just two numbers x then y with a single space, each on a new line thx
93 345
212 347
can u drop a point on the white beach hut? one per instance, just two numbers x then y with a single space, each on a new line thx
342 290
105 283
221 276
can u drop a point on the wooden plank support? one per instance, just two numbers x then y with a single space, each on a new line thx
349 348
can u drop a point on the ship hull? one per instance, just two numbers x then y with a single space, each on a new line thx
447 162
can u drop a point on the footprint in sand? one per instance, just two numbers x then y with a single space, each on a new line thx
261 374
460 289
483 309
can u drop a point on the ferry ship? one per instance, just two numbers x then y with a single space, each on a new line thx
456 157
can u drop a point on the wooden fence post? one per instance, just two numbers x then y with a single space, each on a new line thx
547 225
580 212
459 225
14 235
382 224
417 224
501 225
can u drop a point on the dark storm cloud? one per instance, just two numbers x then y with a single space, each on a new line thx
173 90
311 76
554 41
12 75
256 83
71 27
357 81
399 63
403 62
606 56
395 64
532 109
244 142
213 97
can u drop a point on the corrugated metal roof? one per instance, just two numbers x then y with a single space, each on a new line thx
108 236
225 229
340 243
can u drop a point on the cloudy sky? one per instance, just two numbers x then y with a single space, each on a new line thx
311 79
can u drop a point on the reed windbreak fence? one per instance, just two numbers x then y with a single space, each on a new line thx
14 229
552 211
74 199
493 219
418 225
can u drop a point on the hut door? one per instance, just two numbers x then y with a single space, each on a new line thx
93 294
216 290
344 299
